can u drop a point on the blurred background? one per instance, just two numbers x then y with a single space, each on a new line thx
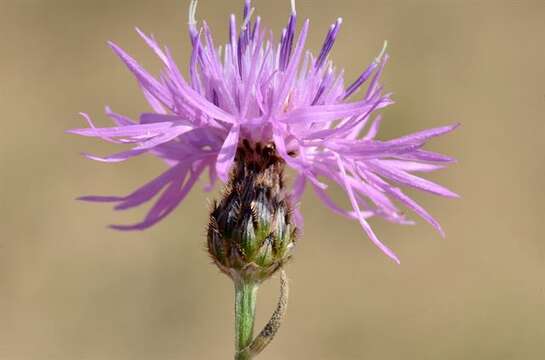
72 289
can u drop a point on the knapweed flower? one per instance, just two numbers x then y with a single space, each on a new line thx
276 95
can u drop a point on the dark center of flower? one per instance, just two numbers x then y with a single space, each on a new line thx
257 157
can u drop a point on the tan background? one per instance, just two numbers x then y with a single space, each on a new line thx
72 289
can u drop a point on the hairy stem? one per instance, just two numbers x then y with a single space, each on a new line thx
269 331
245 299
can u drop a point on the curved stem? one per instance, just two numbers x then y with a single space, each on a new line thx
245 300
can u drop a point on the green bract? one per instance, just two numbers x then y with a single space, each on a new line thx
251 234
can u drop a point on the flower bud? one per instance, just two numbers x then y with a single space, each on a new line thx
250 234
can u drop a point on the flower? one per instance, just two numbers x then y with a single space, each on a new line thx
278 94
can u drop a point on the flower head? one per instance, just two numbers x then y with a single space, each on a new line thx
273 93
250 233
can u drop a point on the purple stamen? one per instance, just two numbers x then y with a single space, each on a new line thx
326 81
239 55
192 21
247 7
233 39
380 59
360 80
245 32
371 90
328 43
193 62
215 98
255 27
287 42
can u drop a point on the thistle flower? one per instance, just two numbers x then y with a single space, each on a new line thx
275 95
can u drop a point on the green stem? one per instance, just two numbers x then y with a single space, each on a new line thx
245 299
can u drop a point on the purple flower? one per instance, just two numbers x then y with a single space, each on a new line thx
259 90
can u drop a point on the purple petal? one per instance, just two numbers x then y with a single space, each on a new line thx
298 188
213 176
411 165
373 130
143 77
115 158
352 125
369 149
153 45
155 104
425 155
322 195
153 118
151 189
327 113
292 69
170 199
423 136
363 186
374 85
120 120
173 133
91 128
361 219
296 194
227 153
410 180
143 130
360 80
328 43
410 203
198 101
96 198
